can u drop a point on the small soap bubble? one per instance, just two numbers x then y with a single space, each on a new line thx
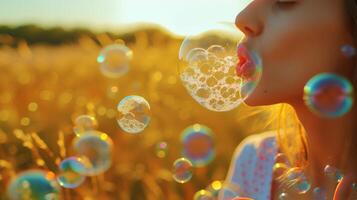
182 170
348 50
198 145
302 186
115 60
203 195
71 172
95 148
208 68
84 123
329 95
333 173
133 114
33 184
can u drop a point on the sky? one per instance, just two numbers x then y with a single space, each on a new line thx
179 16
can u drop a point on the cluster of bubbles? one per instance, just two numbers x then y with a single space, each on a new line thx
71 172
293 178
161 149
329 95
93 157
133 111
208 69
198 145
34 184
93 148
115 60
133 114
294 182
93 151
198 151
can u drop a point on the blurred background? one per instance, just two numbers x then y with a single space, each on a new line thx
49 75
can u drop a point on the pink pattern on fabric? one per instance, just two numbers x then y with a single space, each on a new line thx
251 168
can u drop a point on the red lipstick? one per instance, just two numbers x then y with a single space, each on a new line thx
245 67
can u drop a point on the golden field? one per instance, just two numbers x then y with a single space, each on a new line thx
44 87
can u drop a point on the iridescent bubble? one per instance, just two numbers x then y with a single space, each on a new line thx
208 68
302 186
34 184
133 114
115 60
182 170
198 145
203 195
84 123
333 173
348 50
319 194
95 148
283 196
328 95
161 149
71 172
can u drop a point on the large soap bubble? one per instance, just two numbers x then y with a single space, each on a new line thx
216 73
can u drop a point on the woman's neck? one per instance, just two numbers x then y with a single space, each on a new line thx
329 141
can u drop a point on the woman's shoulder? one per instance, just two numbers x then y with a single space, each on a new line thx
256 142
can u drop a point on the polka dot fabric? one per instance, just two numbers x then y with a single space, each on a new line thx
251 168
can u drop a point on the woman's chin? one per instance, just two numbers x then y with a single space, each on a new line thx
258 98
250 101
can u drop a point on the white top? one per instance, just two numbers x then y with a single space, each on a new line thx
251 170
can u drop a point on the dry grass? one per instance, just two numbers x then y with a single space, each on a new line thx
65 81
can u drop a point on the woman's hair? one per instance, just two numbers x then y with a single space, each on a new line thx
292 137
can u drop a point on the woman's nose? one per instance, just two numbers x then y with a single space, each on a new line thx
249 21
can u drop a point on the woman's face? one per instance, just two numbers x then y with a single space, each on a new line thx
296 39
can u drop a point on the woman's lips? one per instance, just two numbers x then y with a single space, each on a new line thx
245 67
